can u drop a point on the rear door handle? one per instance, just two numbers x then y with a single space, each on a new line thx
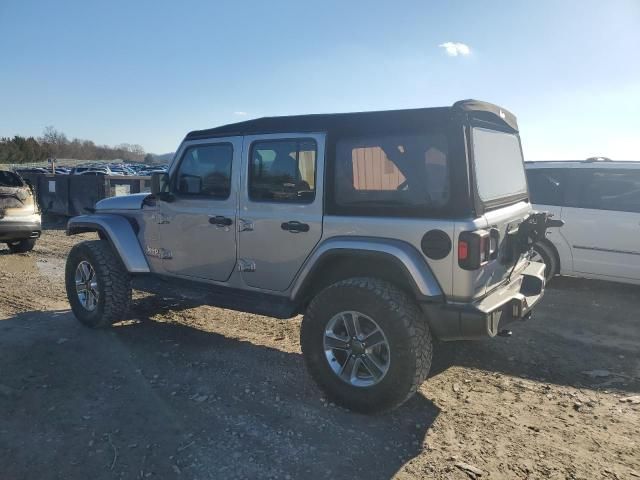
220 221
295 227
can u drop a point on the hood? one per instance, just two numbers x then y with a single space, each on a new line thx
123 202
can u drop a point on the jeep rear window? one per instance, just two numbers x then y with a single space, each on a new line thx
404 173
499 167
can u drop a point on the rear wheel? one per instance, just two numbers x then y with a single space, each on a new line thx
22 246
544 253
98 285
366 343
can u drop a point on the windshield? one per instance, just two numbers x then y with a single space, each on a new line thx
499 166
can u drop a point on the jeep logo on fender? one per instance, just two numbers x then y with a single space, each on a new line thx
161 253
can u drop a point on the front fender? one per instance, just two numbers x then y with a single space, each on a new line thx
122 202
119 232
415 267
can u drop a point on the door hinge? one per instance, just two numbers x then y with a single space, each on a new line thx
245 225
246 265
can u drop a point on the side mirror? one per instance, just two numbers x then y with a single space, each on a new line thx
159 183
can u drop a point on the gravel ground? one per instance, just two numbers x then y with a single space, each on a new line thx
188 391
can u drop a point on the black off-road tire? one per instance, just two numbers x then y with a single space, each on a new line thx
114 284
404 326
22 246
550 259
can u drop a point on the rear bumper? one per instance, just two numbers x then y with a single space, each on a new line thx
486 317
20 228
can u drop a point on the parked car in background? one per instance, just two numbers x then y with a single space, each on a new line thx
599 201
20 222
111 169
120 170
20 171
105 170
93 172
79 170
151 170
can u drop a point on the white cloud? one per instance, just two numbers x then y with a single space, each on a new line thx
454 49
241 114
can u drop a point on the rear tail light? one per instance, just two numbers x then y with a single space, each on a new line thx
494 243
476 248
463 250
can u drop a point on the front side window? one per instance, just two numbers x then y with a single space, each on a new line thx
617 190
498 165
404 173
283 171
205 170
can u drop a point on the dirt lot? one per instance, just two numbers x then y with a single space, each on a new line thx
187 391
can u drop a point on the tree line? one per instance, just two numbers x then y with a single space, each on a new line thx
55 144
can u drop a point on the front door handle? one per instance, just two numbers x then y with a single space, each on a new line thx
295 227
220 221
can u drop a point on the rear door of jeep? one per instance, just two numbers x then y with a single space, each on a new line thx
485 245
281 206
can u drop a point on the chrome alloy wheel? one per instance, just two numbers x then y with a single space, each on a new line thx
357 349
87 285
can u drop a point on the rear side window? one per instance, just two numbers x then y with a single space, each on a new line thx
402 173
205 171
546 186
283 171
608 189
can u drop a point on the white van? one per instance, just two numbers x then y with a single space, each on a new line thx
599 201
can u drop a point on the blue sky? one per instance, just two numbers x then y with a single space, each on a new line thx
149 71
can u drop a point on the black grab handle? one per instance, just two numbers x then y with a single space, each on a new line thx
295 226
220 221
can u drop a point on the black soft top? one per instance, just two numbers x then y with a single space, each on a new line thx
410 119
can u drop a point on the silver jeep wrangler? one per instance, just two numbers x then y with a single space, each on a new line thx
384 229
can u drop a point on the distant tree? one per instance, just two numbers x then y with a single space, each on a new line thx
55 143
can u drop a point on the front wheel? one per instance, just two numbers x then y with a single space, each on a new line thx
367 344
98 285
